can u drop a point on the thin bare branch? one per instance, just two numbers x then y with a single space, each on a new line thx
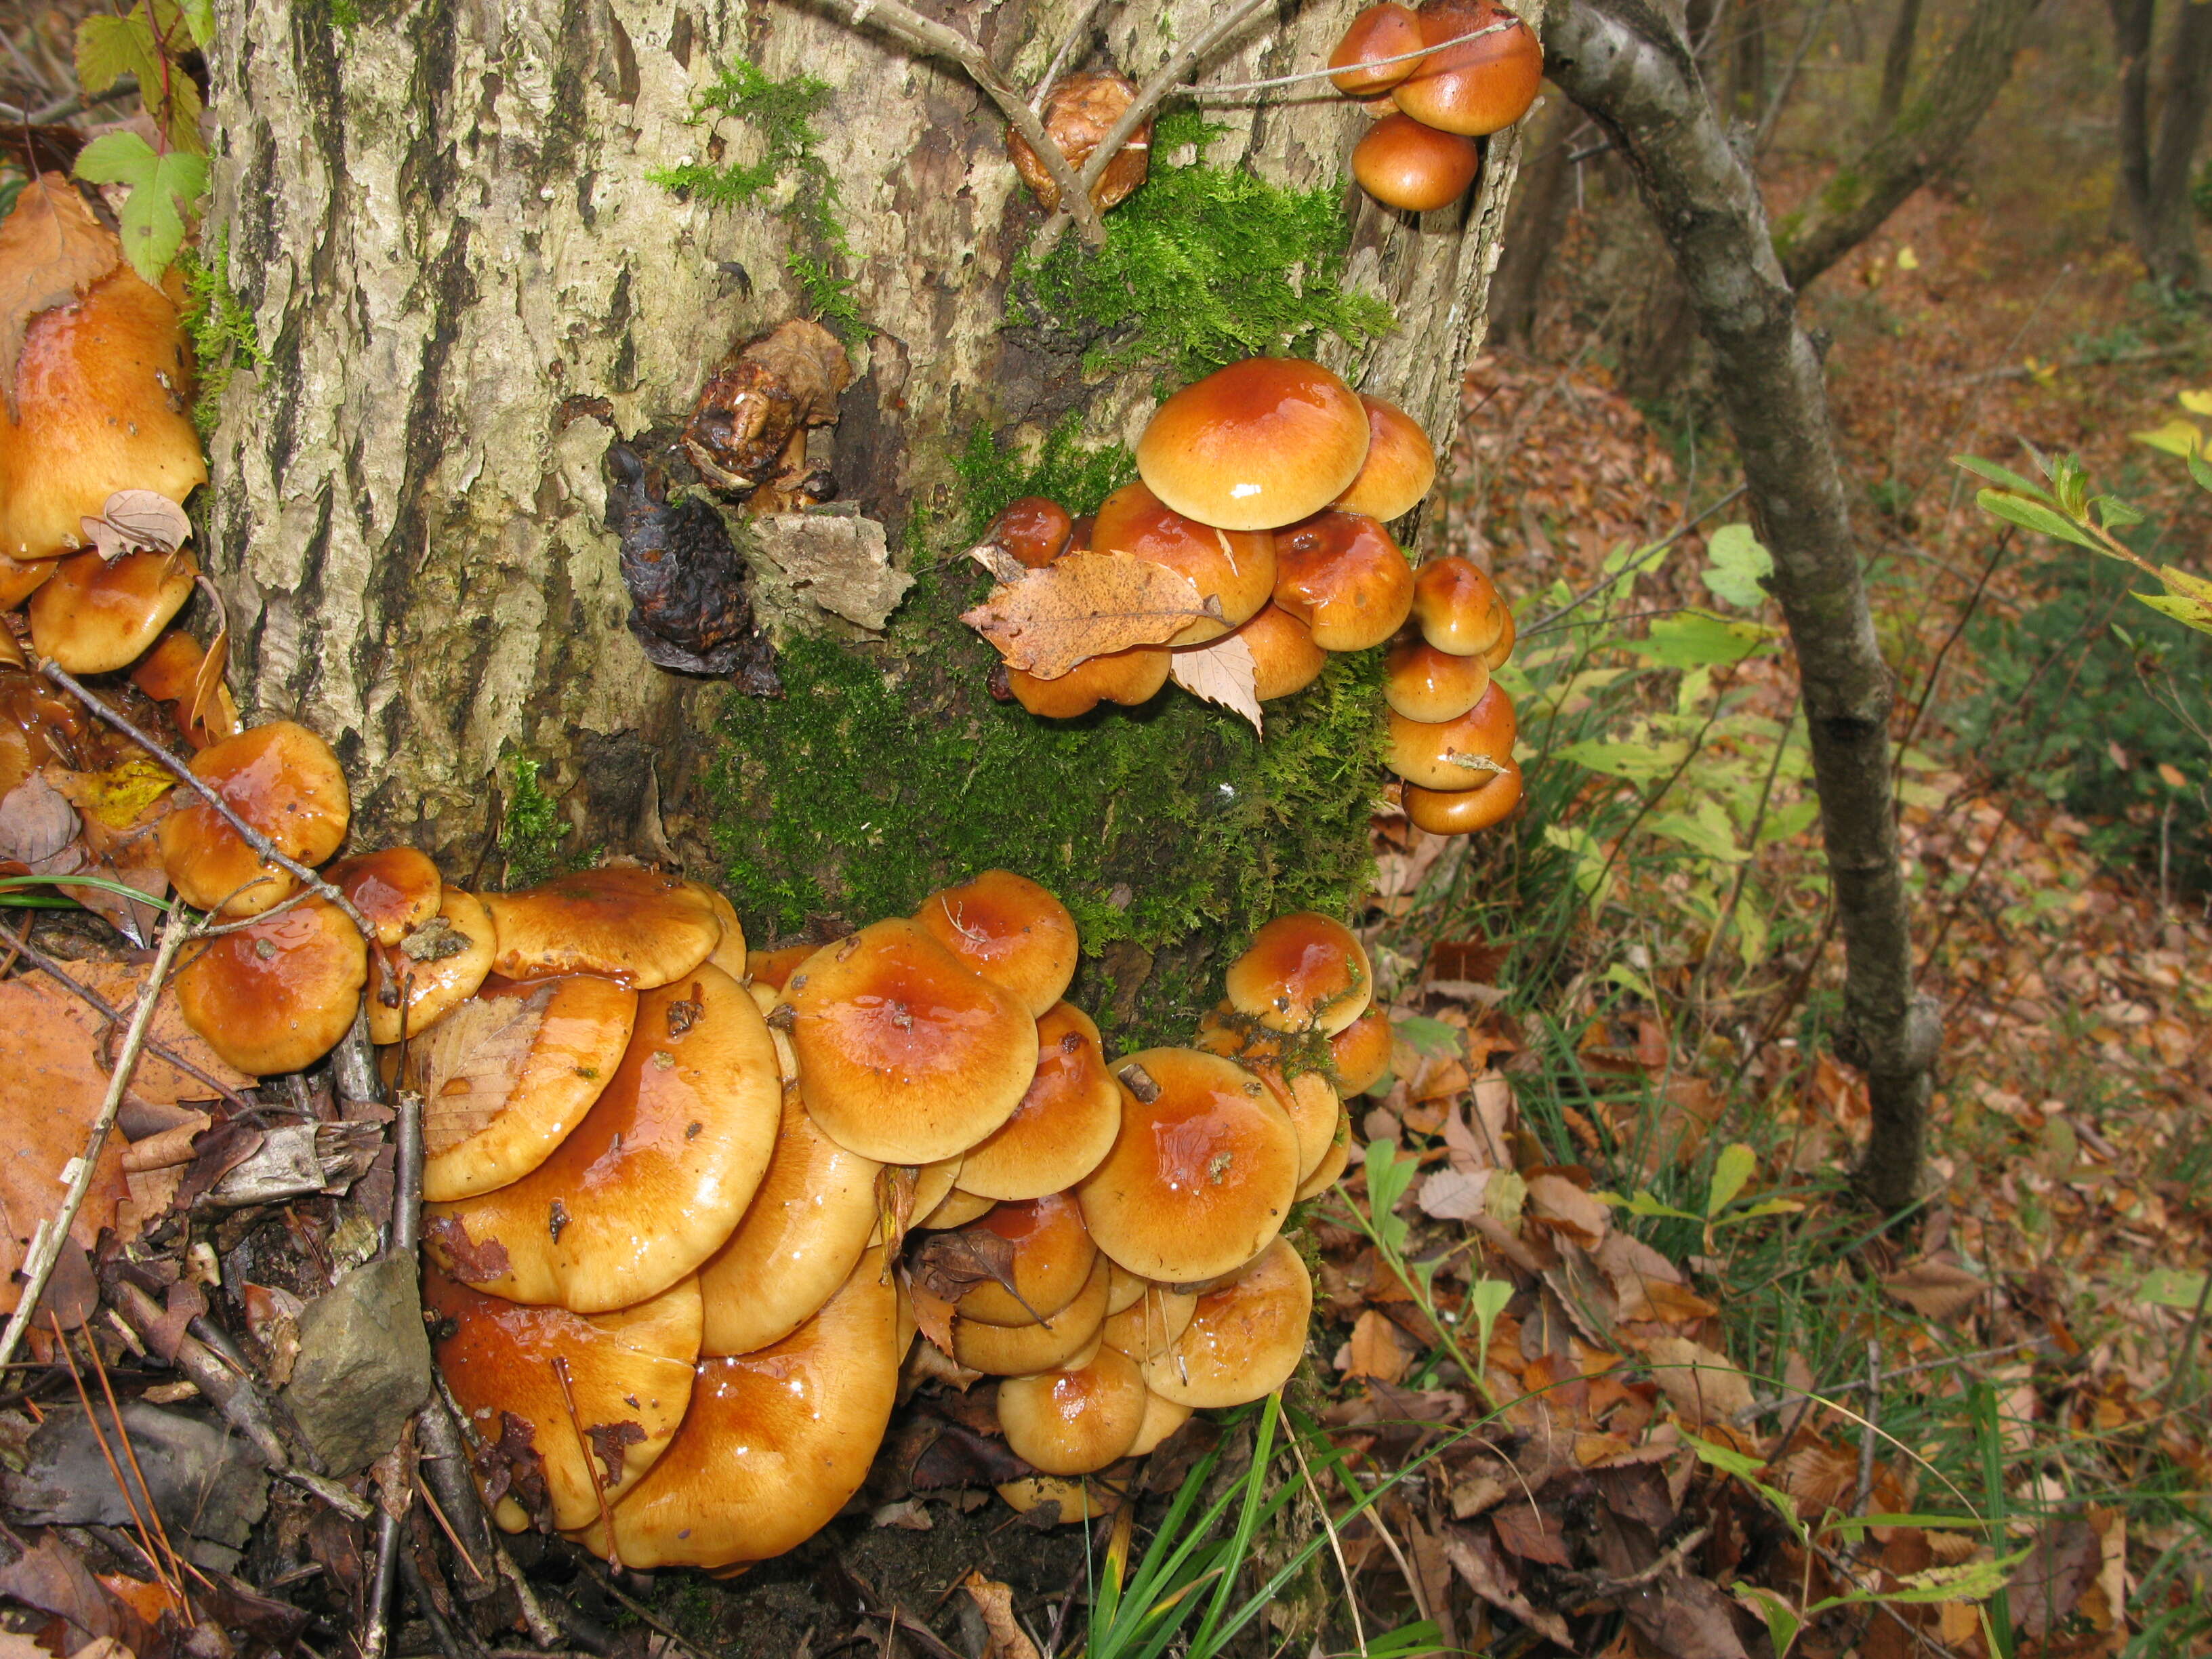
1070 44
937 40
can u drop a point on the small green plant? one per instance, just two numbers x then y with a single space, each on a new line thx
783 112
1202 266
531 831
167 177
993 472
224 339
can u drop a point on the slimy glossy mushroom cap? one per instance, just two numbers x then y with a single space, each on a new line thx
1255 446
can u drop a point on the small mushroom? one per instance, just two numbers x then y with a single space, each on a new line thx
1477 87
1456 607
1066 1339
654 1179
284 781
1400 465
277 995
1233 570
1010 930
1388 30
624 921
1260 444
1360 1053
1463 812
1284 657
509 1073
1162 1419
1342 576
1302 972
956 1209
432 970
1245 1339
1064 1500
1415 168
396 889
1201 1174
1032 530
808 1223
1456 754
1424 684
1333 1162
1077 1420
93 617
1128 677
1065 1123
1077 116
1050 1261
626 1373
1149 1325
905 1055
170 674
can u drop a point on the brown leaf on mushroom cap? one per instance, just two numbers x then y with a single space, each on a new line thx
950 1265
137 521
1224 673
1084 605
51 250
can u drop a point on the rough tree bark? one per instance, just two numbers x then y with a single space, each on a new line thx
2157 155
1628 66
465 284
1925 136
1896 62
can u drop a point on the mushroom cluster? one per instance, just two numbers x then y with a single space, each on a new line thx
1421 153
1452 727
1268 485
687 1205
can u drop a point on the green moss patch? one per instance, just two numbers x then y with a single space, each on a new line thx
1202 266
1171 830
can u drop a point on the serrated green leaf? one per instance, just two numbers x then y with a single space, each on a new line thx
1635 762
110 47
2034 515
199 20
1697 639
2191 613
2000 475
1732 1170
1431 1037
117 158
2200 470
152 221
1704 828
1735 564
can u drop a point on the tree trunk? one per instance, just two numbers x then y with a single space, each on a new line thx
2132 22
466 284
1627 66
2169 216
1537 222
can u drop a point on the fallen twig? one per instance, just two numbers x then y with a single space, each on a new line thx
47 1240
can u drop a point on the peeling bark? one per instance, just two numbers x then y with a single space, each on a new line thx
1626 65
466 287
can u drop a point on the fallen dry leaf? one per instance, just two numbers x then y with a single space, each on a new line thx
465 1067
136 521
51 1089
52 249
1935 1289
1453 1195
1221 673
155 1082
995 1602
1705 1386
1085 605
1378 1349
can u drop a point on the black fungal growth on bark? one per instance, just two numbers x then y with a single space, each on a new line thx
690 605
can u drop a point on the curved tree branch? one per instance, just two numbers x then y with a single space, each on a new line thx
1923 138
1628 67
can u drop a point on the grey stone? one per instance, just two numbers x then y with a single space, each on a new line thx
364 1365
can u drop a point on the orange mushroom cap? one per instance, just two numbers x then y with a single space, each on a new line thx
1065 1123
283 780
1080 111
1386 30
1333 1161
94 617
1302 972
1425 684
1074 1421
1415 168
1342 575
1285 657
642 927
627 1372
1457 606
1067 1339
1254 445
1463 812
505 1076
1128 677
1010 930
1478 87
396 889
1232 569
1245 1339
1456 754
1360 1053
276 996
1051 1259
1149 1325
1033 530
905 1055
1201 1173
438 966
654 1179
1400 465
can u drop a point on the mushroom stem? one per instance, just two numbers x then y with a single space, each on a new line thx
46 1241
183 773
932 37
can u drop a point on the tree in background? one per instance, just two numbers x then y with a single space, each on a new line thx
2161 122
